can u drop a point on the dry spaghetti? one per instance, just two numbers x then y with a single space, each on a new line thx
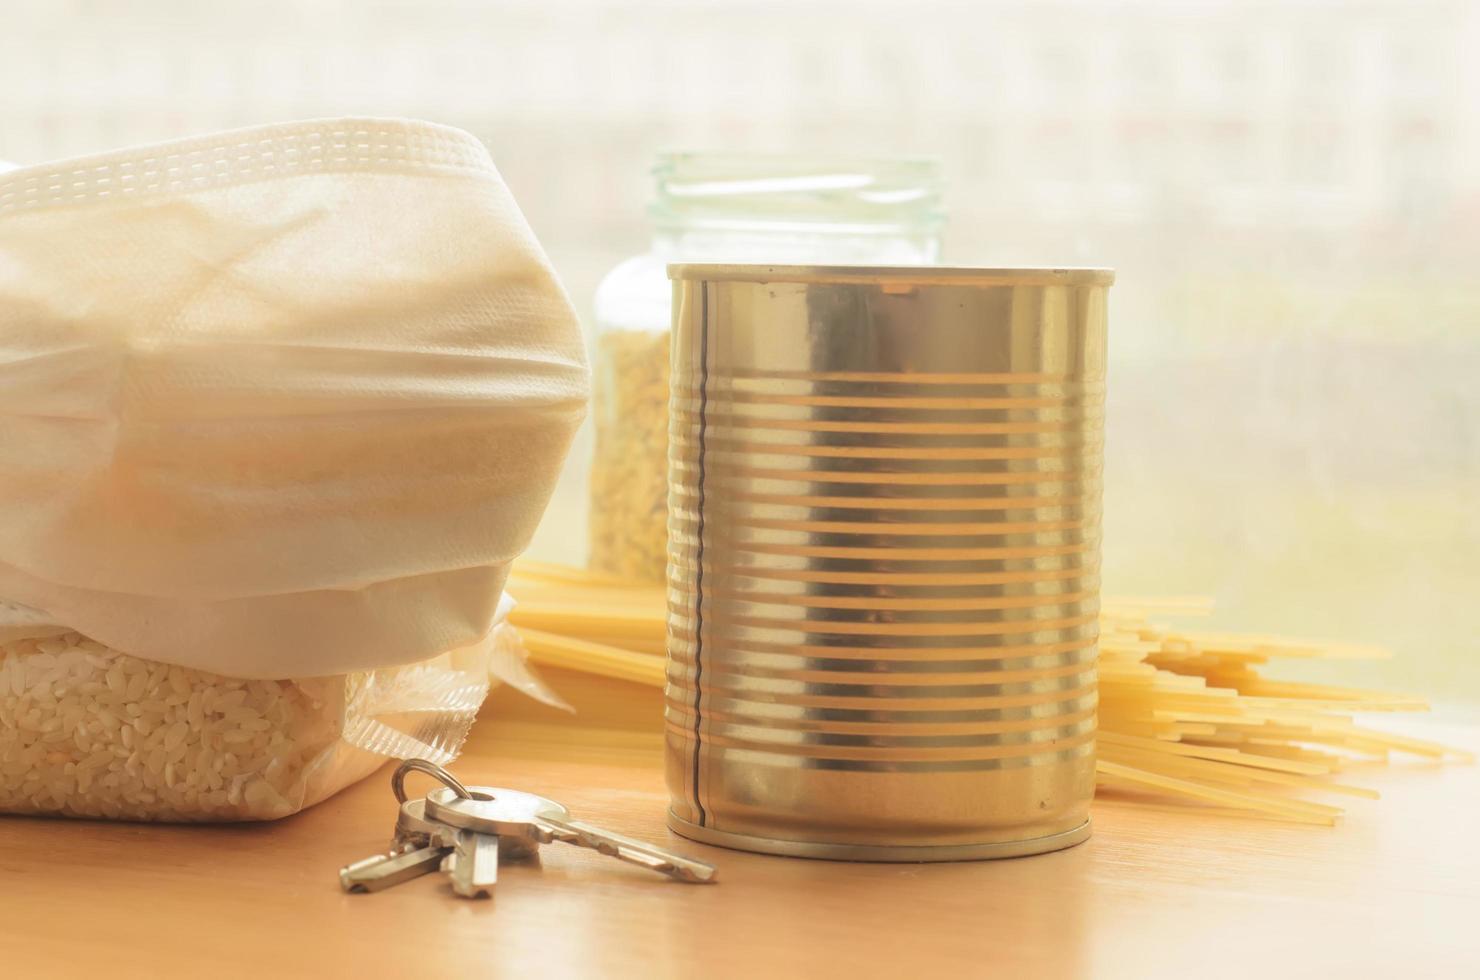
1182 714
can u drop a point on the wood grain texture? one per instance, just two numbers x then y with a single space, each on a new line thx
1159 891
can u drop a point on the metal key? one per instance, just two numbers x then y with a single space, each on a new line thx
511 814
473 864
384 870
415 831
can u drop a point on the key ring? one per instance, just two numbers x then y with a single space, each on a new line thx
398 778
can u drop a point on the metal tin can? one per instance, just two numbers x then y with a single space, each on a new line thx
883 583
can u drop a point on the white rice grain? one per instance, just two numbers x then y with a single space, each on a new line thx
87 731
92 732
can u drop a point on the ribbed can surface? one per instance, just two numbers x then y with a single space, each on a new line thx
883 580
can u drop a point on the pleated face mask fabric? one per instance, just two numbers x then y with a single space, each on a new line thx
279 402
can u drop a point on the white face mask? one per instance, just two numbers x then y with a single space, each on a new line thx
278 402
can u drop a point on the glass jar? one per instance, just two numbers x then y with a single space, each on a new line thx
724 208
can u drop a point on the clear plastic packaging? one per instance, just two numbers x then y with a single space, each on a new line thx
86 731
724 208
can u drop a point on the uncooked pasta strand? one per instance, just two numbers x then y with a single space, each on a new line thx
594 658
1211 794
1348 697
609 620
1184 713
551 572
1208 752
1219 771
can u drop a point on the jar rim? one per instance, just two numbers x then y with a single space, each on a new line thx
679 160
920 275
854 193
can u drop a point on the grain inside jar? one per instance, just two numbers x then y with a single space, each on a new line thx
629 474
724 208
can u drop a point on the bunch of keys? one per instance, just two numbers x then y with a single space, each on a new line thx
463 831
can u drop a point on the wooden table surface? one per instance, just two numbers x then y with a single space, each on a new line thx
1159 891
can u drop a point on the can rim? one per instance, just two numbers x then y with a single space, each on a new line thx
920 275
891 853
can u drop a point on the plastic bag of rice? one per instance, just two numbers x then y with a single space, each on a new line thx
86 731
278 409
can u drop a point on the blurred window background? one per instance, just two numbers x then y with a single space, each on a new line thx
1290 192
